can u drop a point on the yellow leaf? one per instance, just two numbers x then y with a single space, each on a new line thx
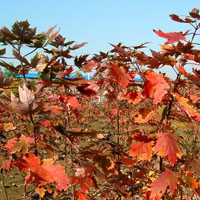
49 189
179 155
9 127
41 191
151 173
152 179
138 182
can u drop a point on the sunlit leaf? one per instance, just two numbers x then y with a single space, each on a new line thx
155 86
167 145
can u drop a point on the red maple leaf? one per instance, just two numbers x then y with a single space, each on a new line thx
155 85
84 182
89 66
93 86
46 123
182 69
167 145
189 110
171 37
194 165
120 75
159 186
67 72
82 196
5 164
178 19
89 89
114 111
77 46
121 51
195 78
73 102
133 97
43 172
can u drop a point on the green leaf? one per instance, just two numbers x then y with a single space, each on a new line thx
35 60
179 124
30 127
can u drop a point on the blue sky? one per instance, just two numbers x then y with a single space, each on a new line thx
100 22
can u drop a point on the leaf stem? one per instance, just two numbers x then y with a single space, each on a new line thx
34 133
25 191
3 183
161 164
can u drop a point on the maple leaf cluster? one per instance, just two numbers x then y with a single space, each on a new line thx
112 137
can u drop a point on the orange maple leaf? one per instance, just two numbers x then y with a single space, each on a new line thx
167 145
190 111
73 102
143 116
142 148
155 85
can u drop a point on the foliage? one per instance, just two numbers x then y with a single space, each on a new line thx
145 143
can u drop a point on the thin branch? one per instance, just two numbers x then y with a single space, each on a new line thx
3 183
192 25
30 52
4 57
194 34
191 63
195 43
13 46
34 133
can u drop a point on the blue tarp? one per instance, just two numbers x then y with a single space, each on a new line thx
35 75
